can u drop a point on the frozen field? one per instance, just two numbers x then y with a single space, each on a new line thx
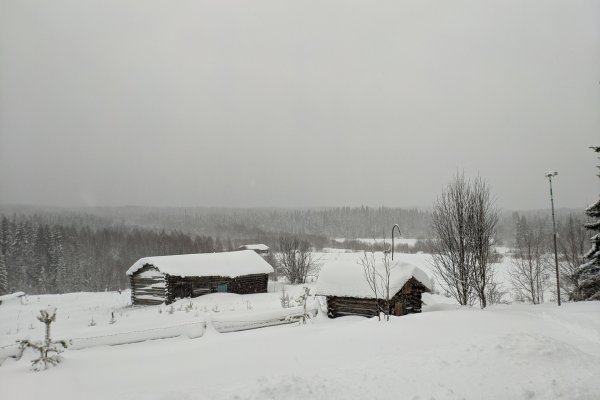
446 352
408 241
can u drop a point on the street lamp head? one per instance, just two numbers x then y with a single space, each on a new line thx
550 174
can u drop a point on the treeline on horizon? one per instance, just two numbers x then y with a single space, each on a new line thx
67 252
244 223
59 250
41 257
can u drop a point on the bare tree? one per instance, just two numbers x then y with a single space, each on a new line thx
452 258
370 272
464 223
529 272
378 279
384 278
295 259
483 218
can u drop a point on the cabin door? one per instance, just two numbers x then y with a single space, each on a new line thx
399 308
222 287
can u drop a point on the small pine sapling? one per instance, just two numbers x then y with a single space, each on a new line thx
112 318
49 349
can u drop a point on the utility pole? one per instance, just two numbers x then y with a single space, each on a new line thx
395 226
549 175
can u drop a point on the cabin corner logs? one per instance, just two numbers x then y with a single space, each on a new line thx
406 301
151 287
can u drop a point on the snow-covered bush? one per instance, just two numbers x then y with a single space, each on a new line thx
302 300
49 350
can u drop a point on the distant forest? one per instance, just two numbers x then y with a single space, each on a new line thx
54 250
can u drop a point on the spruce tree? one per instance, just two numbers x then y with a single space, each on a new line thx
588 274
3 275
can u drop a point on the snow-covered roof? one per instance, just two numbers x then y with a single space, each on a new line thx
229 264
258 246
348 279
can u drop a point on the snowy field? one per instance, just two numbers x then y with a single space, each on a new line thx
447 352
372 241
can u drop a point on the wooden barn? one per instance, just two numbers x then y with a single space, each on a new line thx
348 293
163 279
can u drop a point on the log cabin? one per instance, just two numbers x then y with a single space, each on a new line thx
348 293
163 279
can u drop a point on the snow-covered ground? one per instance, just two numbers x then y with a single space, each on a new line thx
447 352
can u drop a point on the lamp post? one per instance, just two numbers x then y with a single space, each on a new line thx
549 175
393 227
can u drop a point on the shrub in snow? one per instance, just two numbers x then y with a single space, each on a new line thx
285 298
92 322
49 350
171 310
112 318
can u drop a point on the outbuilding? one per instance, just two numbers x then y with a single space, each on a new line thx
348 293
163 279
259 248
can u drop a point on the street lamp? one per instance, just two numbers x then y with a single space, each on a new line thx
393 227
549 175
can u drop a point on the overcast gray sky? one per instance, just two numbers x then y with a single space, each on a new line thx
304 103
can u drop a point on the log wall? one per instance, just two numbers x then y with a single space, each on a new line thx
148 286
180 287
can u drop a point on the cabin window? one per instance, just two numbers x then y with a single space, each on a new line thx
222 287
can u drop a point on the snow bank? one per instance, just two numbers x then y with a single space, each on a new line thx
192 331
240 322
229 264
347 278
16 295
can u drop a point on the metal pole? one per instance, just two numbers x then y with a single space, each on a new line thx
395 226
554 231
